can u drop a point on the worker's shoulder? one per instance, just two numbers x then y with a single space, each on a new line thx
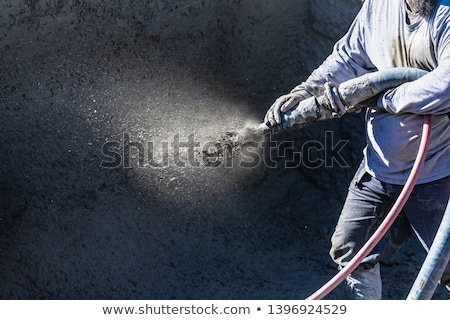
441 16
442 9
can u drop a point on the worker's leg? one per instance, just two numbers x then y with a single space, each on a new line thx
364 283
367 204
425 209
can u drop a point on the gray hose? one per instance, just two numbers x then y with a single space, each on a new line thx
356 91
435 263
348 97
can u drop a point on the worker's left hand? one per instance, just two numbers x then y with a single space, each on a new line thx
307 111
282 105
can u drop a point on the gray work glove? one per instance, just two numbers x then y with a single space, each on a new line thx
294 110
284 104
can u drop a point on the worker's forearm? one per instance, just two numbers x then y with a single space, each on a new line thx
427 95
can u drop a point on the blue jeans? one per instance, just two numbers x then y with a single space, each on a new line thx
368 202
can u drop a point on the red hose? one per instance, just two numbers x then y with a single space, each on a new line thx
387 222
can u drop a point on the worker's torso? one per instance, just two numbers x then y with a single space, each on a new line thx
394 41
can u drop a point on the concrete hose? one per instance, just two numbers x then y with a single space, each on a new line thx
348 97
387 222
435 263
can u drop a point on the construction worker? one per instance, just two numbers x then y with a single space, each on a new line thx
389 34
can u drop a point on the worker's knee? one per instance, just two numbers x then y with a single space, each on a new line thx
341 252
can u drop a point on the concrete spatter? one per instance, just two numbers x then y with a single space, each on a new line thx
77 74
229 147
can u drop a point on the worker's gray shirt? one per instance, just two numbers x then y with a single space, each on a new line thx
378 39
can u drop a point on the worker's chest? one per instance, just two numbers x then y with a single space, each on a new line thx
400 45
414 48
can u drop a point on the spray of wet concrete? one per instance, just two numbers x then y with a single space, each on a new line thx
107 111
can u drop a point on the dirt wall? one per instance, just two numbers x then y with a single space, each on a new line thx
92 91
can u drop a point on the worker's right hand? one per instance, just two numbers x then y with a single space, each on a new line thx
282 105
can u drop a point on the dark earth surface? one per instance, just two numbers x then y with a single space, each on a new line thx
89 87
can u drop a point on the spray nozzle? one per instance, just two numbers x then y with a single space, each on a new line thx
265 128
